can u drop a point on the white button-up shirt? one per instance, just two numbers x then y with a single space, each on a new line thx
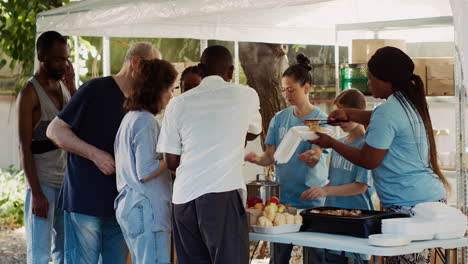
207 127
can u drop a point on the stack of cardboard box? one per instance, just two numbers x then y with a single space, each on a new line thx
363 49
436 73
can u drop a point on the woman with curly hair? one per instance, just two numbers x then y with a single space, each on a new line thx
143 180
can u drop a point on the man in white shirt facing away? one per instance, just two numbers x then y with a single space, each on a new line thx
202 138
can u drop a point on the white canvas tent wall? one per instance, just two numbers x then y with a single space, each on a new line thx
273 21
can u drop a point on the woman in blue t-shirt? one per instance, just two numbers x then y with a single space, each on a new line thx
399 144
349 186
299 173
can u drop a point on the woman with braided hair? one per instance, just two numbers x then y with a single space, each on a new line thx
399 142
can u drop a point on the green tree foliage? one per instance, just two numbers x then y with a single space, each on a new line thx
173 50
18 30
12 194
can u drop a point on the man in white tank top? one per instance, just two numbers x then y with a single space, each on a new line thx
40 100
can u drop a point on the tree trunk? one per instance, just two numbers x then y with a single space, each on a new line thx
263 65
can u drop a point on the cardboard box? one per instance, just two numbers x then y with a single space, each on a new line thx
363 49
440 87
436 74
420 69
441 71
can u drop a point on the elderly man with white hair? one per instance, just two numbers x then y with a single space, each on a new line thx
86 129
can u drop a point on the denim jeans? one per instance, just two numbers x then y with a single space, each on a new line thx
145 245
87 237
44 234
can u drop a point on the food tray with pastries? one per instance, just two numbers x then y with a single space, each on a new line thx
334 220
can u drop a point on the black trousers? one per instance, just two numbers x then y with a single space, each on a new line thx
212 229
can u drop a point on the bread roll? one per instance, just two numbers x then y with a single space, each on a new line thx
263 221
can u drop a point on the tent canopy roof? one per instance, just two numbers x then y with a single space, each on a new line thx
272 21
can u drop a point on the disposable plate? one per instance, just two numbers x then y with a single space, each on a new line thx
386 240
282 229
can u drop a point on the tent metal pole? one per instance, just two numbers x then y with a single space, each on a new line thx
236 62
76 65
36 61
461 187
106 71
337 64
203 45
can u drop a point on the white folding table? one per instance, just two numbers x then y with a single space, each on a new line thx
358 245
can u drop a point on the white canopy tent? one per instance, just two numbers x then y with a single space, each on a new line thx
271 21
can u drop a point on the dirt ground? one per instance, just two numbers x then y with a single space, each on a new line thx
13 249
12 246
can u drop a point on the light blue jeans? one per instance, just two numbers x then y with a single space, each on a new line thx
145 245
89 237
42 234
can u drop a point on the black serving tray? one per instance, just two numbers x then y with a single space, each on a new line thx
370 222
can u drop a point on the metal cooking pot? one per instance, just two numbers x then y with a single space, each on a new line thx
263 189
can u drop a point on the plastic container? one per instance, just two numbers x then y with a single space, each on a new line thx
449 222
416 229
370 222
354 76
282 229
291 141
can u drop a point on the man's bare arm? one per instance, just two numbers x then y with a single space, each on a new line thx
26 102
172 161
62 135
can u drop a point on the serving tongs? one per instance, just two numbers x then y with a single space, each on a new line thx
318 122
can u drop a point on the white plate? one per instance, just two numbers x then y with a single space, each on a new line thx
386 240
291 228
450 235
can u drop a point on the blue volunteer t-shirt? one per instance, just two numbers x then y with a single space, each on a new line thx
342 172
295 176
404 178
94 113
